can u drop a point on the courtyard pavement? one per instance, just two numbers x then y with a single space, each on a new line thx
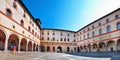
44 56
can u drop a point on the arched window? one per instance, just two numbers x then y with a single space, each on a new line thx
88 35
8 13
116 16
22 23
108 28
118 26
99 24
100 31
29 28
107 20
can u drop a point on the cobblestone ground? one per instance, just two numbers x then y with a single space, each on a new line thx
43 56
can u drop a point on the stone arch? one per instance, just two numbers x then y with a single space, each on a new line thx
95 48
48 48
78 49
85 48
68 49
2 39
13 41
102 47
89 48
23 44
59 49
29 46
81 48
42 48
111 45
53 49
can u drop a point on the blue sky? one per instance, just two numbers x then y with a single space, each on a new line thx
69 14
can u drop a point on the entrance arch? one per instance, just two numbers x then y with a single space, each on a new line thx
118 45
85 49
29 46
48 48
68 49
59 49
42 48
102 47
2 40
95 48
23 44
53 49
89 48
37 47
111 46
14 41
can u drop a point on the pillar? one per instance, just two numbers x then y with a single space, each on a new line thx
6 44
19 45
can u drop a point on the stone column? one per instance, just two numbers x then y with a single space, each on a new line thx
6 44
19 43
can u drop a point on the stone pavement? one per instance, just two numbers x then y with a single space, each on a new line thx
43 56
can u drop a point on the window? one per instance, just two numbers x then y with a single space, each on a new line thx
42 38
84 36
108 28
118 26
42 33
61 39
93 33
8 13
14 5
29 28
100 31
47 38
116 17
88 35
25 16
92 27
53 38
68 34
33 32
53 33
99 24
88 29
68 39
107 21
61 34
64 39
22 23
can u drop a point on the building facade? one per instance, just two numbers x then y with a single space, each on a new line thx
56 40
18 27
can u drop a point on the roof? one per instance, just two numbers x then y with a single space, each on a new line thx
57 29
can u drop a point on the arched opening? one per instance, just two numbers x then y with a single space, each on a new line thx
81 48
118 45
111 46
13 41
59 49
53 49
34 45
78 49
95 48
22 23
89 48
68 49
102 47
23 45
42 48
74 49
30 46
48 48
2 40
